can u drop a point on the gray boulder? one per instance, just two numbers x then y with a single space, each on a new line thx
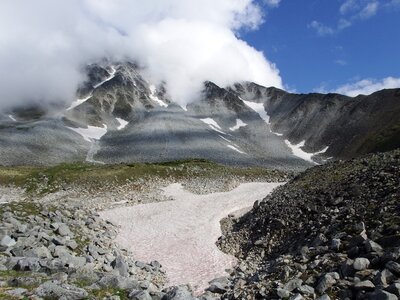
51 289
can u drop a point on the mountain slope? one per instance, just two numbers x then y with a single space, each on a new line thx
119 117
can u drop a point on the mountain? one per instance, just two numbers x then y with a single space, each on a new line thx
119 117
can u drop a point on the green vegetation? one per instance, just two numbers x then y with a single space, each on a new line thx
43 180
384 140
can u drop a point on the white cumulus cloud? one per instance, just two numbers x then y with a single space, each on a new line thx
364 86
45 43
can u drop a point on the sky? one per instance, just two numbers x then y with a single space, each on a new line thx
346 46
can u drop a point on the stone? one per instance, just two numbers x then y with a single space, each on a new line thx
371 246
335 244
326 282
324 297
28 264
346 269
121 266
119 282
296 297
219 285
307 290
64 230
178 293
361 263
139 295
16 292
381 295
7 241
282 293
51 289
71 244
394 288
393 267
383 278
293 284
365 285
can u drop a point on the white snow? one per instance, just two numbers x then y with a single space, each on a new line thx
12 118
239 123
122 123
297 151
236 149
91 133
278 134
213 125
181 234
155 98
112 75
258 108
78 102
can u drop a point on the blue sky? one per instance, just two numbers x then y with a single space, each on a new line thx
328 45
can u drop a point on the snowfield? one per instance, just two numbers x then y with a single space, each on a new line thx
181 234
239 124
297 151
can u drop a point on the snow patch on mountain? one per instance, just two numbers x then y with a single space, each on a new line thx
122 123
297 151
12 118
213 125
258 108
155 98
239 124
91 133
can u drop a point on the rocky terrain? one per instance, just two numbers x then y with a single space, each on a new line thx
54 245
333 232
120 117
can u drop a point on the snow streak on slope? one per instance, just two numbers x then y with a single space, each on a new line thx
213 125
12 118
297 151
239 124
79 102
236 149
155 98
232 145
122 123
112 75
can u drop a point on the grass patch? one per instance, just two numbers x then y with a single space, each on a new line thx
43 180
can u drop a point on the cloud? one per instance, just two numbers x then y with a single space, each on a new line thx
341 62
351 11
45 43
363 87
272 3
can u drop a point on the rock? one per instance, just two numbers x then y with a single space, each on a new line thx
219 285
394 288
307 290
293 284
326 282
393 267
119 282
296 297
64 230
383 278
28 264
178 293
16 292
41 252
324 297
139 295
347 269
51 289
361 263
365 285
371 246
7 241
381 295
335 244
24 281
72 244
282 293
121 266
